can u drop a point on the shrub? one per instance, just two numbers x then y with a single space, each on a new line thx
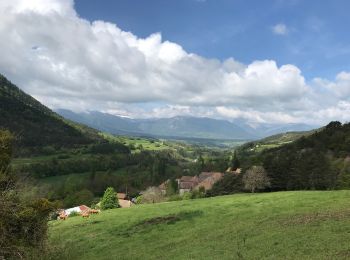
138 200
197 194
109 200
187 196
175 197
152 195
23 225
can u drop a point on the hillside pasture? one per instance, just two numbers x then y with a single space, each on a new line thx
282 225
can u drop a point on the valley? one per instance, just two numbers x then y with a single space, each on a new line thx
161 177
193 129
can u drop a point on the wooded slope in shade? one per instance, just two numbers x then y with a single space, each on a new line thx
318 161
35 125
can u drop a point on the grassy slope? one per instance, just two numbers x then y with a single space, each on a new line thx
275 141
284 225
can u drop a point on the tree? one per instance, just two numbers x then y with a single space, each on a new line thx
235 162
109 200
23 225
171 187
255 178
152 195
78 198
229 184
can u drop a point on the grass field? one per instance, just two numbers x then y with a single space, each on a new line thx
275 141
283 225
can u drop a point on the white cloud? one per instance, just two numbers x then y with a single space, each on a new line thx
340 86
280 29
68 62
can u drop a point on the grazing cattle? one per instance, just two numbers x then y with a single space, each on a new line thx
85 214
94 211
62 216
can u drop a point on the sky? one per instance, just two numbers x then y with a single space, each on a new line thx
273 61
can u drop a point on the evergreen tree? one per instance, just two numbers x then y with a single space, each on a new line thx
235 162
109 200
171 187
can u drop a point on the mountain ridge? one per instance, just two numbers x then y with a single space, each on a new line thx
180 126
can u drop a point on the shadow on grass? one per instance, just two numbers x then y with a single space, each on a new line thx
316 217
147 224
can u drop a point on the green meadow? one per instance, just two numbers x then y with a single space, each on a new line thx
281 225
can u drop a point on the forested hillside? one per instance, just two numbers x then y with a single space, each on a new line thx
318 161
36 126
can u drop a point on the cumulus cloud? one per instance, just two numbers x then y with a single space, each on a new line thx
280 29
68 62
340 86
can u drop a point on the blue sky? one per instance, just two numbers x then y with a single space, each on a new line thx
274 61
317 38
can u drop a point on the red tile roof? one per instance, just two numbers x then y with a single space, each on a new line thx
84 208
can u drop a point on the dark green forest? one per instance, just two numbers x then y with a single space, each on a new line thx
319 161
35 126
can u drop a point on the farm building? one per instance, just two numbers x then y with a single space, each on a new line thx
189 183
78 209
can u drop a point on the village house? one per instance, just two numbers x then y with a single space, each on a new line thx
187 183
237 171
190 183
208 179
79 209
163 186
123 200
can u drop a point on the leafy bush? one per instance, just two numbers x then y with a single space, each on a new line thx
23 225
197 194
109 200
229 184
175 197
152 195
138 200
187 196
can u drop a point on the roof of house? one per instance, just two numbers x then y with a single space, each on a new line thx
208 179
187 185
77 209
185 178
205 175
163 185
84 208
188 178
121 195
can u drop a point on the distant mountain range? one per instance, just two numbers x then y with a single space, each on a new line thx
181 127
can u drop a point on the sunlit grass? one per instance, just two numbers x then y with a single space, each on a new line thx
284 225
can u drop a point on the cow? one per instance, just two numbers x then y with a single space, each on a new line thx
94 211
85 214
62 216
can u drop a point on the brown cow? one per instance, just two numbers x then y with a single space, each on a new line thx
85 214
94 211
62 216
